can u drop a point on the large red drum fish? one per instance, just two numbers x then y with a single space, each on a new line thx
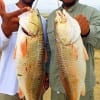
71 55
29 55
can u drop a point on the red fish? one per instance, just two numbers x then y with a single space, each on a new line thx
71 55
29 55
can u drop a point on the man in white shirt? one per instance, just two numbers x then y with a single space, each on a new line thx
8 31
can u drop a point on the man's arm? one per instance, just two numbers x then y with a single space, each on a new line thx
9 23
2 7
94 35
90 29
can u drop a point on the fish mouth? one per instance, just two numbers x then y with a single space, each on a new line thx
26 32
29 33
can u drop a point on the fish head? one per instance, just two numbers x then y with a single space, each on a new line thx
30 22
61 27
30 27
66 27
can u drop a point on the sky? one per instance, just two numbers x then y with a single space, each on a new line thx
47 6
42 5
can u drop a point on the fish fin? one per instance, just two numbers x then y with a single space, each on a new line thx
14 56
75 51
24 48
20 94
83 90
85 53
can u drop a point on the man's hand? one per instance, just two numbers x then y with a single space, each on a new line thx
2 7
84 24
10 21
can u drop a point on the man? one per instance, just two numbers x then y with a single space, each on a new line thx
89 21
9 24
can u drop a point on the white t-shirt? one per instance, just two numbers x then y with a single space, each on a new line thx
8 79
